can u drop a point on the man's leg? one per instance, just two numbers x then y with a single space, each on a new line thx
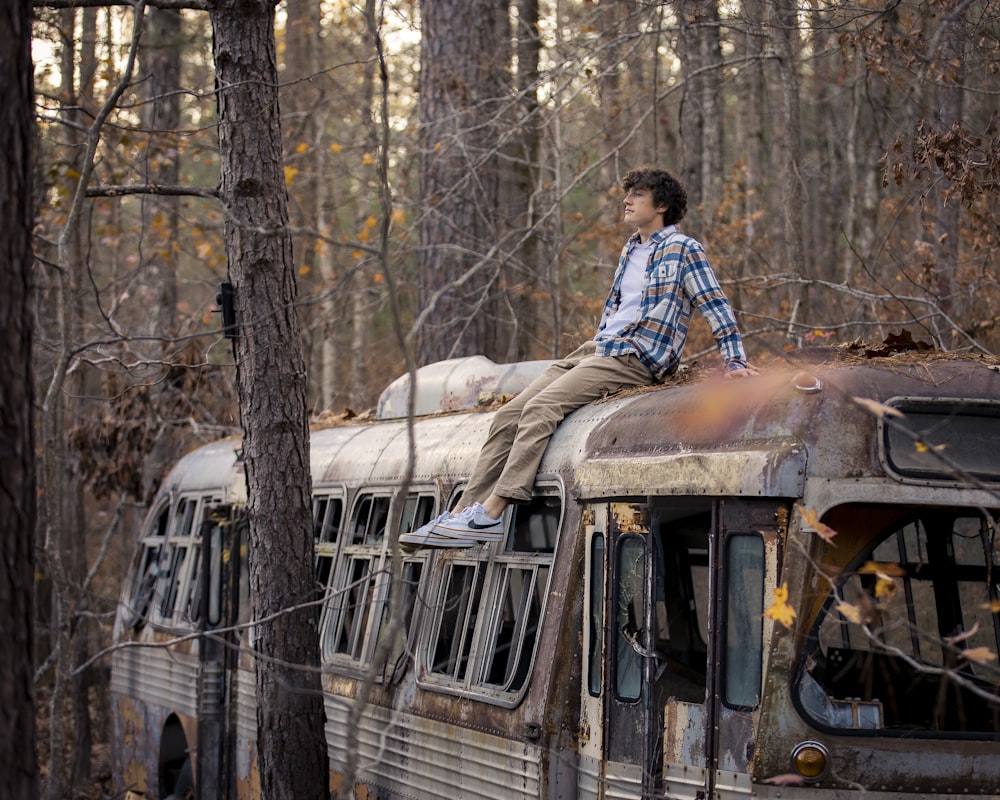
497 446
592 378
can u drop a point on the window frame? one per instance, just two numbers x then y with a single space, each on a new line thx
488 569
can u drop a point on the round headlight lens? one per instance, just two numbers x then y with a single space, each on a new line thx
810 760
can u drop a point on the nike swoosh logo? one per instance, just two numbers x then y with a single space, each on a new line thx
477 527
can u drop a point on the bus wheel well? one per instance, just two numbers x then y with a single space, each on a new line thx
175 778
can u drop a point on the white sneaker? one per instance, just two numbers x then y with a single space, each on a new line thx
426 536
431 539
471 523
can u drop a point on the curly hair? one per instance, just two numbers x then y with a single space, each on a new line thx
666 190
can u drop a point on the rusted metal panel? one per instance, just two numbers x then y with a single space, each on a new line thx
684 772
417 757
777 470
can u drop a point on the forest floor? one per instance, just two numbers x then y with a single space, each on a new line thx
97 785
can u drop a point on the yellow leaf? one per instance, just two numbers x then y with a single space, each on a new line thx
780 611
981 655
371 222
304 269
851 612
290 173
357 254
398 215
378 278
335 148
885 588
367 159
887 568
922 447
811 518
437 147
301 147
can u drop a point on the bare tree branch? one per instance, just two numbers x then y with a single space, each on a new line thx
152 188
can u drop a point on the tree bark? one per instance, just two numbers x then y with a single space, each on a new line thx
18 761
462 94
272 393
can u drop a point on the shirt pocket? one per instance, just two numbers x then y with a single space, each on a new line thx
664 275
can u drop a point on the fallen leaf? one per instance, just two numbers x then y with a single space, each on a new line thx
888 568
981 655
780 610
811 518
851 612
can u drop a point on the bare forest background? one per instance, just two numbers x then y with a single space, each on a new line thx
444 183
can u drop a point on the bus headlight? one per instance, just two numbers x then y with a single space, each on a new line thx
810 760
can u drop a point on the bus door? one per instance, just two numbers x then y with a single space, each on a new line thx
617 750
222 534
749 535
683 643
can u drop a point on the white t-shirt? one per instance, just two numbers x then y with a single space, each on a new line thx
633 282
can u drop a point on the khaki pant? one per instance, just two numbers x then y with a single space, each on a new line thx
521 429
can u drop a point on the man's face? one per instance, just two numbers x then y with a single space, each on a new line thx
640 211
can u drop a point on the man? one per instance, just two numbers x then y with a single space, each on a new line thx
662 274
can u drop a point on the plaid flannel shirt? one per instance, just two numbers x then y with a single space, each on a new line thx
678 277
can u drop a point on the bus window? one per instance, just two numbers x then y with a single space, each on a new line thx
744 604
328 512
179 557
630 574
486 618
418 509
681 607
536 525
143 592
596 616
907 639
456 618
353 584
510 641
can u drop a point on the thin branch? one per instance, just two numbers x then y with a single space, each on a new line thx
153 188
195 5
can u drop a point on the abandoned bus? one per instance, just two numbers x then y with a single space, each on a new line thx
779 587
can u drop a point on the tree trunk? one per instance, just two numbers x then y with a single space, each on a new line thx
788 142
18 761
461 101
162 47
272 393
701 112
69 722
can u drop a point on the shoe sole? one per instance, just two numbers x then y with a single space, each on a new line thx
465 533
437 541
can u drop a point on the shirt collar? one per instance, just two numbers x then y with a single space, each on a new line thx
660 236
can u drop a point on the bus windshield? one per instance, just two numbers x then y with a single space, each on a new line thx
908 637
